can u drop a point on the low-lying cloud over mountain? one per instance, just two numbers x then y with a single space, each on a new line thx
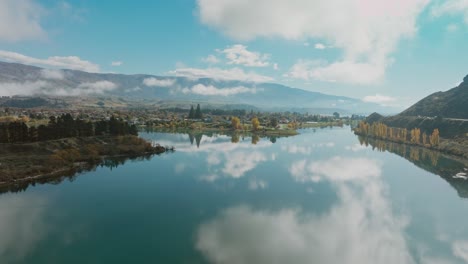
19 79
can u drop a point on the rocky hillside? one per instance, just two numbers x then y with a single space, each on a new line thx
450 104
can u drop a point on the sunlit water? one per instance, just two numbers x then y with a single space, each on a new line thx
319 197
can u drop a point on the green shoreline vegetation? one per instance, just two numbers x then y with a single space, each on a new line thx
269 124
65 145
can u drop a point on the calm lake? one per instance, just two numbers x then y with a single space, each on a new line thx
319 197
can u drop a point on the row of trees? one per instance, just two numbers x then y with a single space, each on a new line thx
382 131
63 126
236 123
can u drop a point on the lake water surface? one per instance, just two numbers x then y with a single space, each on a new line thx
319 197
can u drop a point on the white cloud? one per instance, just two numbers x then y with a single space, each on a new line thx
343 71
26 88
212 90
379 99
239 55
221 74
212 59
158 82
70 62
134 89
451 7
367 31
44 87
20 20
302 69
275 66
93 88
52 74
116 63
320 46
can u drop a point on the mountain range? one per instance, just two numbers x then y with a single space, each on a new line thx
20 79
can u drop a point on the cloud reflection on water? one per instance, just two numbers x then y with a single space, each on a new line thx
22 225
359 228
225 159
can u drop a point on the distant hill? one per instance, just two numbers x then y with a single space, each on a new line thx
450 104
30 80
374 117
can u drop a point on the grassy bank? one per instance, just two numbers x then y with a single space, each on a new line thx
32 161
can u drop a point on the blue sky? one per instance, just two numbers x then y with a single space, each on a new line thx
390 52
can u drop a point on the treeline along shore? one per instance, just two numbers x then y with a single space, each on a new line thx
457 146
65 145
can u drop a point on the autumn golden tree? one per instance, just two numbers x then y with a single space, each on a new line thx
434 139
235 122
255 124
415 135
424 139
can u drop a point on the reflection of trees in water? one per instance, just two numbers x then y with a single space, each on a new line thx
195 137
235 138
412 153
255 139
427 159
72 174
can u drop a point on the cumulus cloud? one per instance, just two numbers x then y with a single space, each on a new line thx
52 74
379 99
70 62
212 59
451 7
158 82
367 31
20 20
46 88
116 63
343 71
239 55
212 90
221 74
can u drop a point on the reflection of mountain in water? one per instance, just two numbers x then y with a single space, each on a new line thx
71 175
429 160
